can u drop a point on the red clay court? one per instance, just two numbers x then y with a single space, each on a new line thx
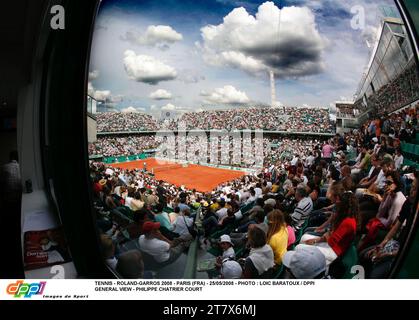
201 178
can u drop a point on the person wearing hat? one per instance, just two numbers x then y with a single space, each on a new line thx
230 269
305 262
227 247
228 252
153 243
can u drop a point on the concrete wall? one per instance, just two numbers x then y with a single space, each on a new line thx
91 129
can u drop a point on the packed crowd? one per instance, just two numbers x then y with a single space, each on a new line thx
295 218
125 121
274 149
122 146
273 119
397 93
347 111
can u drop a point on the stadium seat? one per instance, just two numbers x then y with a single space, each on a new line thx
219 233
410 163
341 267
410 148
215 251
278 272
240 251
246 208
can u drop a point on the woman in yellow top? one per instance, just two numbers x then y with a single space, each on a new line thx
277 235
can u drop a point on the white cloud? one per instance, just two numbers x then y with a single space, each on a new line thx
257 43
226 95
160 36
161 94
132 109
93 75
169 107
239 60
147 69
102 95
175 109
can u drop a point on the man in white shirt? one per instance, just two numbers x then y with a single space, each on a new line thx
222 212
182 223
398 159
258 190
252 197
294 160
162 250
303 209
310 160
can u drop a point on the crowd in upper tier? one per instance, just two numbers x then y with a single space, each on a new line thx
272 119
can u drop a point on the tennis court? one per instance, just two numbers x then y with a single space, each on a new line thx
201 178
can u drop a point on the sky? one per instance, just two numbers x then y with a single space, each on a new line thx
192 55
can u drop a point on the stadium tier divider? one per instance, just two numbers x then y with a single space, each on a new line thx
134 157
192 259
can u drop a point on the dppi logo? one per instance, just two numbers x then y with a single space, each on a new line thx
27 290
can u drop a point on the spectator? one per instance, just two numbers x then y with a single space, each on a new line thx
277 236
130 265
336 242
161 249
260 262
303 209
306 262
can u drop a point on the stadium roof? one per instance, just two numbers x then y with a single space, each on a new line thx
385 21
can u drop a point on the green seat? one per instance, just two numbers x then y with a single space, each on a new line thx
410 148
246 208
410 163
168 210
219 233
215 251
278 272
239 252
350 259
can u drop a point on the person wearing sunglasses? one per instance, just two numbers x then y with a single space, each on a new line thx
377 260
389 210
